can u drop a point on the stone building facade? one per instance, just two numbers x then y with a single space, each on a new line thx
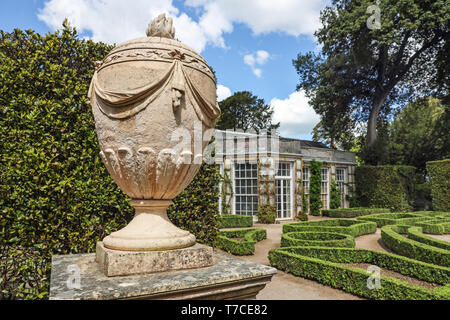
261 169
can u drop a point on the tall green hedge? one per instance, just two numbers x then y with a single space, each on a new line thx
386 186
56 196
439 173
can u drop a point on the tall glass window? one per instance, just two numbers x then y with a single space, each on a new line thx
340 179
245 189
324 188
284 197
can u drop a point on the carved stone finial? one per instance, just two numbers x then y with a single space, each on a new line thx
161 27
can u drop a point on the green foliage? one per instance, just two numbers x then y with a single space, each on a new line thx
352 212
303 215
390 187
56 196
439 172
393 239
245 111
319 239
246 246
415 233
362 72
335 196
435 226
196 208
235 221
267 214
327 266
383 219
417 136
345 226
315 200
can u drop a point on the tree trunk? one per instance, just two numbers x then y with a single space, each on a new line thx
372 136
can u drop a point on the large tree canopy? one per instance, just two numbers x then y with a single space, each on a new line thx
361 73
419 133
244 111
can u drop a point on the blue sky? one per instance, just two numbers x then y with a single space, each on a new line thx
249 43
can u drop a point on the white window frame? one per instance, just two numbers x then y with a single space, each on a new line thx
343 183
244 194
327 181
289 177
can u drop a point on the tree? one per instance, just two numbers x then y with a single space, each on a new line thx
419 133
361 73
245 111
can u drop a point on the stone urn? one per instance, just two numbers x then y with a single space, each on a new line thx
153 101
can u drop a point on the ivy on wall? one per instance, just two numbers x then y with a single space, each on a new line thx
315 200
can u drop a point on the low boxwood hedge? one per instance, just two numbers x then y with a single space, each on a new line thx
404 218
346 226
322 239
435 226
235 221
352 212
246 246
326 265
392 238
415 233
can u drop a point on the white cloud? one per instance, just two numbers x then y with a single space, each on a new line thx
257 59
296 116
223 92
114 21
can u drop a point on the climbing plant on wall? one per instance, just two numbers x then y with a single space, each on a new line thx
315 201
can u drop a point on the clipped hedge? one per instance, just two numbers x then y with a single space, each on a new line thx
321 239
439 173
385 186
235 221
383 219
435 226
226 242
326 265
352 212
415 233
392 238
56 196
346 226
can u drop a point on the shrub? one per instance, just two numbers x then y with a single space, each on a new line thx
267 214
439 173
326 265
196 208
315 200
235 221
406 218
352 212
226 242
345 226
392 238
385 186
435 226
320 239
415 233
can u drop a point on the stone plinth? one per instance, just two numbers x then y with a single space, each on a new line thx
124 263
228 278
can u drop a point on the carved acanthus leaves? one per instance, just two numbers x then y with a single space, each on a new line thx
146 174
